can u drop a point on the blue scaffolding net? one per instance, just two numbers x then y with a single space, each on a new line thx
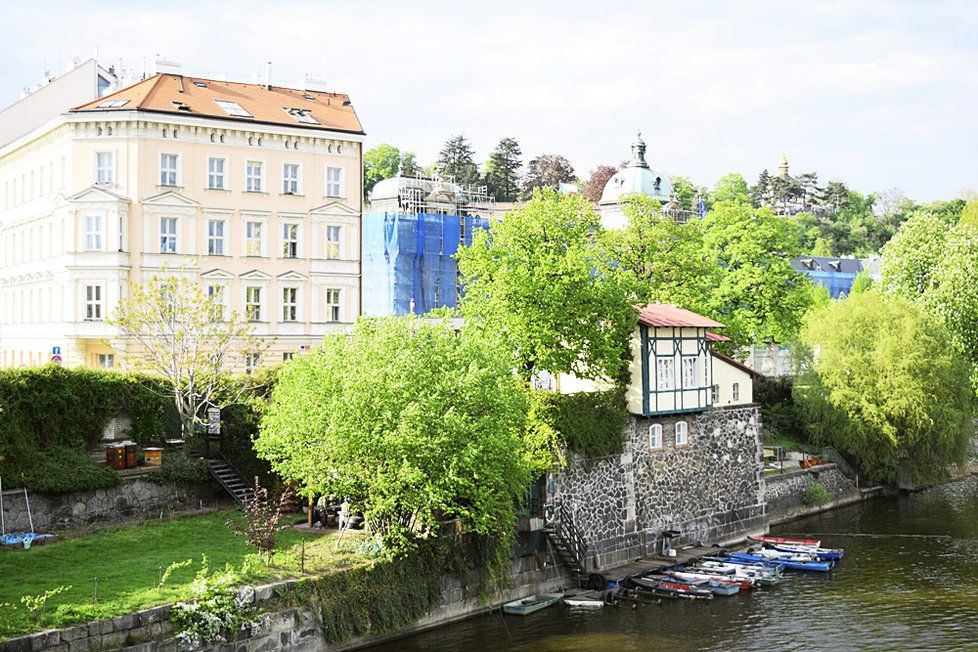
409 260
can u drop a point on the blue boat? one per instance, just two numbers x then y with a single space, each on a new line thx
821 554
783 562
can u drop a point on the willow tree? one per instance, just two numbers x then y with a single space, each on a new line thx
172 329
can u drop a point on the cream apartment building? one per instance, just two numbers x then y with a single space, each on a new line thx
253 189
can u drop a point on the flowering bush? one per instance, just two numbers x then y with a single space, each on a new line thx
219 609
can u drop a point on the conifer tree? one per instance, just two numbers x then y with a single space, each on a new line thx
503 170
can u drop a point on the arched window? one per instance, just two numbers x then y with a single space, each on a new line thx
655 436
682 433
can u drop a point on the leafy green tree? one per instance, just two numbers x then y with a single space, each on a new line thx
952 293
759 296
457 160
547 171
886 387
685 192
539 281
862 283
385 162
503 170
409 421
730 187
759 191
662 260
969 214
172 329
836 195
908 260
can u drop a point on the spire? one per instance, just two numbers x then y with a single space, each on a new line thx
783 166
638 153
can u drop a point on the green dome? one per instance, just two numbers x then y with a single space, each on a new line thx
636 178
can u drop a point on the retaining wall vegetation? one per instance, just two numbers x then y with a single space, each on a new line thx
285 627
711 489
134 497
786 492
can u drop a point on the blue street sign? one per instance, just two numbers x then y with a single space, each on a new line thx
55 350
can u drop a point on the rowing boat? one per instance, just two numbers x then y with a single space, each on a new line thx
695 576
531 603
794 562
669 588
813 543
821 554
584 603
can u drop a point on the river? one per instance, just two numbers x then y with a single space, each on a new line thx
909 581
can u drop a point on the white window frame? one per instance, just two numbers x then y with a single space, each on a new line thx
253 182
254 238
217 292
105 173
665 374
253 307
216 179
94 302
94 236
291 184
252 362
690 370
287 240
169 176
216 241
735 392
333 312
682 433
290 304
332 249
714 394
105 360
168 235
338 186
655 436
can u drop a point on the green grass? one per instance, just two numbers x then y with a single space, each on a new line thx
127 562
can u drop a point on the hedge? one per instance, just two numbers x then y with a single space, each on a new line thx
589 423
51 416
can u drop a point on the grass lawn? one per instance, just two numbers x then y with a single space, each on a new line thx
127 561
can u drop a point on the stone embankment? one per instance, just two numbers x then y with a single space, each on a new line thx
786 492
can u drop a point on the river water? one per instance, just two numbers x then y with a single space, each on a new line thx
909 581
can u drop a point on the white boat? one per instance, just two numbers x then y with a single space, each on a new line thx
584 603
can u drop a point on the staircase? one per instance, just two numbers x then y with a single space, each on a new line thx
229 478
568 542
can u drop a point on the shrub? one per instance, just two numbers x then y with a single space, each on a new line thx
218 609
816 494
181 468
589 423
62 470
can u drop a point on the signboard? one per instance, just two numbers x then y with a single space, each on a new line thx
55 351
56 359
213 421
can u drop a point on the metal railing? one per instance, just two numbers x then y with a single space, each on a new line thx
834 456
570 536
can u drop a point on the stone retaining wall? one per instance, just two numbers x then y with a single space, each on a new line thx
786 491
710 489
134 497
283 628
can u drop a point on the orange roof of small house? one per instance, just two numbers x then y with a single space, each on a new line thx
167 93
666 314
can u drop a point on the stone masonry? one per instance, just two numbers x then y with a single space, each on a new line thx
134 497
711 489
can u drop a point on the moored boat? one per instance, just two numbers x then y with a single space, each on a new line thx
766 538
531 603
784 560
821 554
670 588
579 602
694 576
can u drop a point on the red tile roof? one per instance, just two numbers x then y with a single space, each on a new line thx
666 314
158 94
736 363
716 337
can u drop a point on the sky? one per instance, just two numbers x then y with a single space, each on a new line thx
880 95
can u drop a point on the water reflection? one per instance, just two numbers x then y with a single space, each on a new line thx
891 592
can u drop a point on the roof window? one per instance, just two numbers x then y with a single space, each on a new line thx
180 106
200 83
113 104
302 115
232 108
307 96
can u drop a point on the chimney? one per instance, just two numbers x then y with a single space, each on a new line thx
268 76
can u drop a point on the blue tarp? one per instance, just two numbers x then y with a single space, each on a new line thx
838 283
411 257
22 538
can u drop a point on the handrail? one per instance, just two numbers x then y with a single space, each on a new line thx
566 530
830 453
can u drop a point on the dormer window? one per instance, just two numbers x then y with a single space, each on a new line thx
113 104
233 108
302 115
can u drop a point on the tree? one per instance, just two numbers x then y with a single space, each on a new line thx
886 387
969 215
262 519
908 260
547 171
597 181
410 422
662 260
503 170
760 296
836 195
171 328
862 283
457 161
685 192
385 162
539 281
730 187
951 295
759 192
